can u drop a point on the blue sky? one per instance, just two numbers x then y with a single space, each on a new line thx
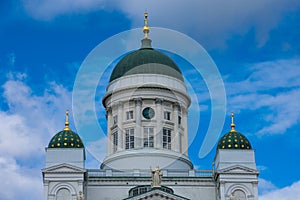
255 45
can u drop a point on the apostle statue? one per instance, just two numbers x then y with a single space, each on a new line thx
80 196
156 177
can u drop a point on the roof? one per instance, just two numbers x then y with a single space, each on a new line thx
156 193
146 60
66 139
234 140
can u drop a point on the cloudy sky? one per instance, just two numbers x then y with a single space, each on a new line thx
255 45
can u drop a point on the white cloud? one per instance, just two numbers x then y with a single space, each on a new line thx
18 182
272 86
287 193
26 128
212 21
265 186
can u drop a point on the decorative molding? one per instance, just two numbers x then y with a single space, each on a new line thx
63 168
237 169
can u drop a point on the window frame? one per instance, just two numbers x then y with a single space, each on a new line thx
167 115
167 138
129 138
179 120
148 139
115 140
115 119
129 115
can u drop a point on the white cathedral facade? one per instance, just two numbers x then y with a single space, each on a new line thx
147 106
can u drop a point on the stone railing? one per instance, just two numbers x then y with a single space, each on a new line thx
147 173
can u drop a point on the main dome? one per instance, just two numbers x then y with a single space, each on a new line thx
146 60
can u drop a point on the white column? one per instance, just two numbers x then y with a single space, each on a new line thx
138 139
159 114
255 190
176 141
222 191
184 138
109 124
46 190
120 126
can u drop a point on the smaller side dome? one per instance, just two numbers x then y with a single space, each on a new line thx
234 139
66 138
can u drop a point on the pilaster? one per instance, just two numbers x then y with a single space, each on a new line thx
138 127
120 126
159 125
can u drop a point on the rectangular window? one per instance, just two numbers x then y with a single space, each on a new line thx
167 115
167 138
129 115
148 137
115 119
179 120
129 138
115 141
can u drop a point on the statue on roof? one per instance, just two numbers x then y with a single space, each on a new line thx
80 196
156 177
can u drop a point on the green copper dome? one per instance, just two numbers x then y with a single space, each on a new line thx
234 140
146 61
66 139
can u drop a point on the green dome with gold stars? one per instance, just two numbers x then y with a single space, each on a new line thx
234 139
66 138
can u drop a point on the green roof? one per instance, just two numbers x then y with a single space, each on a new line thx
234 140
146 61
66 139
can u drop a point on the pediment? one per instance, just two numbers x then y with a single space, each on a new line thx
156 194
238 169
63 168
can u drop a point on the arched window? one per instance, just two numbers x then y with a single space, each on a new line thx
63 194
240 195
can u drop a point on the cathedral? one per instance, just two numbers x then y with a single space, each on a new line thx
147 108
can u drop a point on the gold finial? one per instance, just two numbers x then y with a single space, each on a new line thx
67 121
232 123
146 28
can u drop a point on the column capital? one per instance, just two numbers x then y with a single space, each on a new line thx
119 103
138 101
159 100
109 110
184 110
176 106
116 105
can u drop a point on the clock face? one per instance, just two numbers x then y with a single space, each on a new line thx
148 113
